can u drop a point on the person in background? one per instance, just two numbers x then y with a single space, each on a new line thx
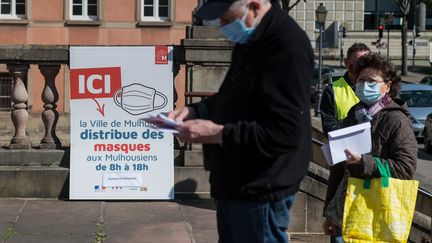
256 130
393 139
339 96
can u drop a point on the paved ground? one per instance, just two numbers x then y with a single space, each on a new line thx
57 221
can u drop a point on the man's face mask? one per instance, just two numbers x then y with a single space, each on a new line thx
237 31
138 99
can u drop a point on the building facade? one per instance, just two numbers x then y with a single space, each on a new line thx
361 19
86 22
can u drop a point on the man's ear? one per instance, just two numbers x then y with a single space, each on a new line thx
346 62
255 6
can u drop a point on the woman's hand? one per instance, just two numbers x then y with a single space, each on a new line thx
329 227
352 158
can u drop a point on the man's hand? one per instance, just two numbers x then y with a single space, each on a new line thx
182 114
353 158
199 131
329 227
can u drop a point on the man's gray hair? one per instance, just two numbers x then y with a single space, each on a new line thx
239 4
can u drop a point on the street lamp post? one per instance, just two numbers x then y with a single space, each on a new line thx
321 14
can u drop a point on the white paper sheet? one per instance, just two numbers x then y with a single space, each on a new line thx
122 179
356 138
162 122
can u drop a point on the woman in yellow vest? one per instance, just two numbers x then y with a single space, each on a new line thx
393 139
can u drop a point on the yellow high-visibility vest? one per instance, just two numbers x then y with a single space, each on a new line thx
345 98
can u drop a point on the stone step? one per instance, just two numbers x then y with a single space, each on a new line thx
61 157
34 157
34 182
193 158
53 182
39 173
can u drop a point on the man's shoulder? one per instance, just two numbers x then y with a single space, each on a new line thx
339 82
287 29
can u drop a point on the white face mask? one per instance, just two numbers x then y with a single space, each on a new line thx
138 99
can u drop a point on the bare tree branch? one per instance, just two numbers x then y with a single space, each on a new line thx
286 4
405 6
292 6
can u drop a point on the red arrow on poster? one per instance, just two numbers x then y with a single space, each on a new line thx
101 110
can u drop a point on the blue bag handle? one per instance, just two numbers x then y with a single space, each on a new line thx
384 170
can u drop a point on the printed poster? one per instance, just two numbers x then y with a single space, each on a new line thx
114 155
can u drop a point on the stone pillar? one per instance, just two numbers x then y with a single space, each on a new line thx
19 97
50 115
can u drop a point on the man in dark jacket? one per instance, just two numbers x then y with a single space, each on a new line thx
256 128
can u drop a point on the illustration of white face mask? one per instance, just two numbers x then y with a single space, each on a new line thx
137 99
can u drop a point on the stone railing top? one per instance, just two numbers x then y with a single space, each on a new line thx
203 32
55 54
51 54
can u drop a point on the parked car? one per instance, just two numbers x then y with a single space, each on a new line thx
426 80
419 100
326 79
428 134
314 85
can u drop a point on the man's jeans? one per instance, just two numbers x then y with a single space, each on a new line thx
243 221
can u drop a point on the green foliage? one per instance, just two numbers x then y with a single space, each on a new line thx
100 235
9 233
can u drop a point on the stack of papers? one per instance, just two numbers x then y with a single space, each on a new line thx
356 138
162 122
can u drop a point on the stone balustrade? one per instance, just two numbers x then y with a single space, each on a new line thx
18 60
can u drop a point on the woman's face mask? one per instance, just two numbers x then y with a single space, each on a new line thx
237 31
370 87
368 92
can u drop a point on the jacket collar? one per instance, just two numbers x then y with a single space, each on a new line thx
266 22
349 81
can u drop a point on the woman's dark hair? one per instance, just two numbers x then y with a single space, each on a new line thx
387 69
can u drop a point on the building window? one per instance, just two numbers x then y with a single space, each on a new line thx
12 9
84 9
155 10
5 91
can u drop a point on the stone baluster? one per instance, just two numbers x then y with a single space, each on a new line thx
19 97
50 115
